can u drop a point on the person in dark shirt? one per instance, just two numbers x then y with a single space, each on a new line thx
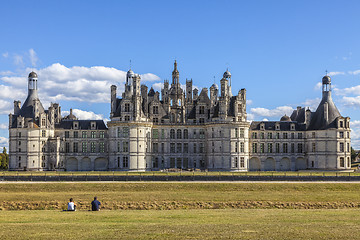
95 205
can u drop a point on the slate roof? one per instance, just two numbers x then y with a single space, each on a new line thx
83 124
27 109
284 126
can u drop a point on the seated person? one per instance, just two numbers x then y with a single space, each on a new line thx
71 205
95 205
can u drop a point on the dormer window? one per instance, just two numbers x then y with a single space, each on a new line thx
292 126
262 126
93 125
341 124
277 126
75 125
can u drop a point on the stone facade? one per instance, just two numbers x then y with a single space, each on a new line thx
178 128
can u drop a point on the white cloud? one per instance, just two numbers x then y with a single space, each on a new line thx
318 86
84 115
5 107
33 57
351 101
3 126
346 91
336 73
18 60
5 55
149 77
355 134
277 112
312 103
249 101
158 86
4 142
356 72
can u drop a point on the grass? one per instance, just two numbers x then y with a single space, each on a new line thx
181 224
179 195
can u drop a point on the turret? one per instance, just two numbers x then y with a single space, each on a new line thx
113 99
175 74
189 91
214 89
17 107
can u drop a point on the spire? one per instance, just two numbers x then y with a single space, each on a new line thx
175 74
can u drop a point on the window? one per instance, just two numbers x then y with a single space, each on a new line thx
125 161
178 134
102 147
19 134
313 147
254 147
19 143
155 109
202 133
242 162
299 135
186 134
277 135
172 147
127 107
242 148
186 148
84 135
277 147
118 132
67 134
269 135
43 133
155 148
202 110
194 148
201 120
155 133
348 147
162 147
341 124
43 122
67 147
300 148
262 150
84 147
235 163
201 147
125 132
127 118
125 146
75 147
292 135
194 136
342 162
239 108
341 147
172 133
242 133
341 134
313 134
262 135
270 148
76 134
285 147
254 135
236 147
292 148
155 162
155 120
102 134
162 133
285 135
178 148
119 147
236 133
348 134
93 134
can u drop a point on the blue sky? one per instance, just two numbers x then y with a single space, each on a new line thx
277 50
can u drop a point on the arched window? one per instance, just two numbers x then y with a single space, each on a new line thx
178 134
186 134
172 133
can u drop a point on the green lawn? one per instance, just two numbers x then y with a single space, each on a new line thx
182 224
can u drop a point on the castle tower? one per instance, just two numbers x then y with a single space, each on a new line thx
175 74
113 100
189 91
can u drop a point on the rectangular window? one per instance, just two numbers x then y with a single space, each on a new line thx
67 147
186 134
202 110
202 133
299 135
118 132
270 148
201 120
313 147
292 148
285 135
242 147
300 148
172 147
236 133
102 147
155 109
162 147
102 134
127 107
292 135
125 132
125 146
67 133
43 133
125 161
269 135
93 147
93 134
254 147
119 146
342 162
262 135
285 147
162 133
348 147
262 150
201 147
194 148
242 162
277 135
84 134
155 133
76 134
341 124
155 148
186 147
313 134
277 146
341 134
254 135
84 147
236 147
341 147
242 135
178 148
75 147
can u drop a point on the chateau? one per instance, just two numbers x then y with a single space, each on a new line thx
177 129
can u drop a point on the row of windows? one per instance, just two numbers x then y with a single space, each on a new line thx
183 148
84 134
84 147
277 135
235 162
341 134
260 148
123 162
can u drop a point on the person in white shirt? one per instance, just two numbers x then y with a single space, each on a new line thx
71 205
